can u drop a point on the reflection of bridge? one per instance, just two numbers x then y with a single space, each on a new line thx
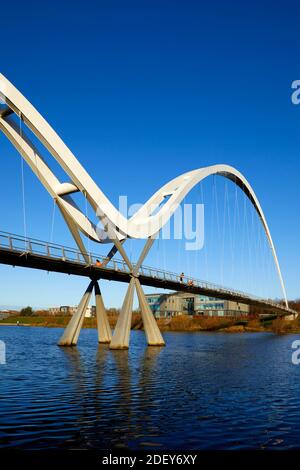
17 251
15 113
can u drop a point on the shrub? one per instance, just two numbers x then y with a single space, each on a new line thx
214 323
279 326
255 324
181 323
26 312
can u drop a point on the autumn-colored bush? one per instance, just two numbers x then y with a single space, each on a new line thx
189 323
215 323
136 322
41 313
181 323
254 324
280 325
295 304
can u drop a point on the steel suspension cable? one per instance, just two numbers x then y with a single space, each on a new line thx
243 245
247 238
205 246
217 217
226 204
235 225
230 233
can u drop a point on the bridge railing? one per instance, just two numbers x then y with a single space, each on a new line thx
192 282
52 250
59 252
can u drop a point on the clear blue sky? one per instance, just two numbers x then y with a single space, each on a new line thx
143 91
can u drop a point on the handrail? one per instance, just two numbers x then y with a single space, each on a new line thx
51 250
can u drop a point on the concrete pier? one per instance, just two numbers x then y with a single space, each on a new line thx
153 335
71 333
121 336
103 327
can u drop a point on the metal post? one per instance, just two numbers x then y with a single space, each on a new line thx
71 333
104 330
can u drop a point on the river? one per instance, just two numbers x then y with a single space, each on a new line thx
202 391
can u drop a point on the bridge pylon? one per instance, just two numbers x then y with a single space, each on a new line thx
121 336
72 331
103 327
153 334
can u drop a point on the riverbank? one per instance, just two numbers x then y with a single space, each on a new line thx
229 325
183 323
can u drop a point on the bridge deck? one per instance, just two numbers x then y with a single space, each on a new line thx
30 253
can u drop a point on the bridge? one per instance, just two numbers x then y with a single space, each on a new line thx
24 252
17 117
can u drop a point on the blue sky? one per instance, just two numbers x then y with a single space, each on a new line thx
144 91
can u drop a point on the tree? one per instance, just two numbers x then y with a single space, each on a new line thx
26 312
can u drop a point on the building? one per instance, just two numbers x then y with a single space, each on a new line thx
167 305
62 310
210 306
179 303
67 310
4 314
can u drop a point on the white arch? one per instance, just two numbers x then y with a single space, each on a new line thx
145 223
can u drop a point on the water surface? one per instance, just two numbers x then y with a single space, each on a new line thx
203 391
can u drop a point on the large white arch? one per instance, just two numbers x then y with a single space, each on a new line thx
146 223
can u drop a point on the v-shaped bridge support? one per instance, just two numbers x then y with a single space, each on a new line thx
121 336
72 331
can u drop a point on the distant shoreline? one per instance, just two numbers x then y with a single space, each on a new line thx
182 323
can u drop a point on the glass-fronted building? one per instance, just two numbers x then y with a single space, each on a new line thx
179 303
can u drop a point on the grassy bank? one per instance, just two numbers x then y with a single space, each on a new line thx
180 323
52 321
187 323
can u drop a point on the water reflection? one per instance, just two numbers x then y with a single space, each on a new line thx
73 361
148 406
